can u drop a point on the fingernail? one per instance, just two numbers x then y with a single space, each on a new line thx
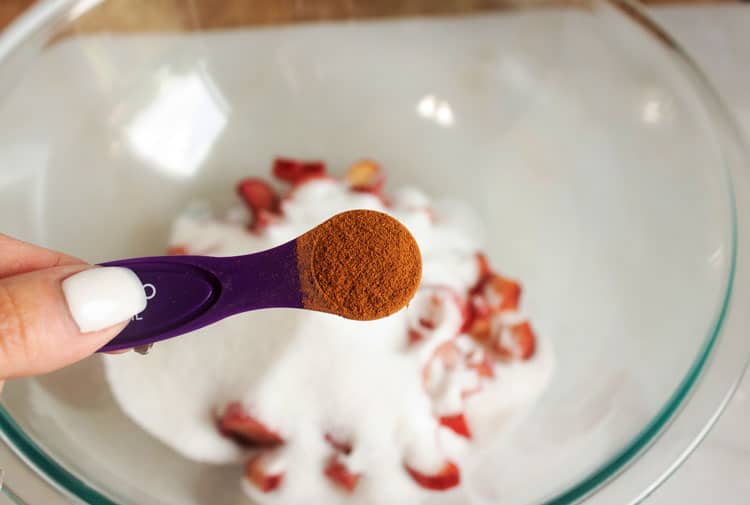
103 296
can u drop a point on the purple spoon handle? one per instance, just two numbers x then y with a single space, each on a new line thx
185 293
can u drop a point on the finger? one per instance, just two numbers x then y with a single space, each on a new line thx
53 317
18 257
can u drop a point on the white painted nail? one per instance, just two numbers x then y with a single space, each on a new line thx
103 296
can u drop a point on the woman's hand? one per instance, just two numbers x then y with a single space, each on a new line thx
56 309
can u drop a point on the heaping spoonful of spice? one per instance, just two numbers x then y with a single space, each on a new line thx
360 264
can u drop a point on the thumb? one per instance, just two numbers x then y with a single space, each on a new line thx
53 317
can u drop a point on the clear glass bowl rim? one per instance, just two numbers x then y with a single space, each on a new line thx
592 488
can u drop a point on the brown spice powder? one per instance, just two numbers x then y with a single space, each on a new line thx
360 264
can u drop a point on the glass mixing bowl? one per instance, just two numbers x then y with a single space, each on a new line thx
608 176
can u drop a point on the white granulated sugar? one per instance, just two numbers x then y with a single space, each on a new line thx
306 374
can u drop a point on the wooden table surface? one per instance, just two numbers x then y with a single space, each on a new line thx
148 15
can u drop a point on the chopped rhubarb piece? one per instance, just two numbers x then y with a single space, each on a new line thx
509 290
448 354
481 330
258 194
525 340
484 368
479 306
483 267
415 336
471 392
435 307
462 305
498 292
177 250
457 423
447 358
427 323
246 430
256 473
365 175
296 171
340 474
262 218
448 477
342 446
433 312
522 342
261 199
477 318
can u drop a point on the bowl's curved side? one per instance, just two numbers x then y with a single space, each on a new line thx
677 427
49 469
669 439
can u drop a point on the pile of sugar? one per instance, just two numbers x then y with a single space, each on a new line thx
305 374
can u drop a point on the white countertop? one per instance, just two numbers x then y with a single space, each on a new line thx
718 37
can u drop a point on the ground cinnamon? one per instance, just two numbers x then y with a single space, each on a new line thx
360 264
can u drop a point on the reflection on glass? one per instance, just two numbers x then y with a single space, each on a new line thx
81 7
716 259
440 111
176 130
652 111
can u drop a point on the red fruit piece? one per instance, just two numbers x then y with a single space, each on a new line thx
480 330
447 355
258 194
525 340
479 306
493 295
177 250
246 430
523 345
477 317
509 290
296 171
340 474
262 218
448 477
365 175
256 473
484 368
427 323
478 361
483 267
432 313
261 199
415 336
342 446
457 423
498 292
432 307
